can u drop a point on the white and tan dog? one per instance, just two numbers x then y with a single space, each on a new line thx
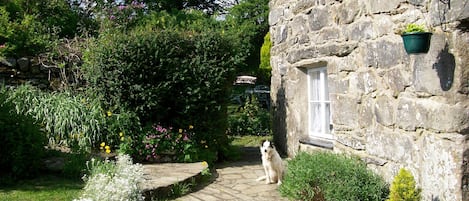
273 164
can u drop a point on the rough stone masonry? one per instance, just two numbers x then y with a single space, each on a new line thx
393 109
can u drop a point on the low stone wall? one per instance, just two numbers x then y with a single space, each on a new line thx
14 72
393 109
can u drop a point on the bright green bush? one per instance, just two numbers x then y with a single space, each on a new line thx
403 187
264 67
170 77
22 143
329 176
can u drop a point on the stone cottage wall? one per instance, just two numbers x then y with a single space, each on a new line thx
392 109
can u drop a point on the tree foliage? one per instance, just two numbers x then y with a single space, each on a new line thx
249 22
32 26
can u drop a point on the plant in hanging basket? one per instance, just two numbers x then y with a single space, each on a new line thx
416 39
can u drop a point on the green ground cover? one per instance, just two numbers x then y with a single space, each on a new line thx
44 188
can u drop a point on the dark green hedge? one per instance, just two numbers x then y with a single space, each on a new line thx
170 77
22 141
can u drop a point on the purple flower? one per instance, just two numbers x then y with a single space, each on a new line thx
121 7
186 138
112 17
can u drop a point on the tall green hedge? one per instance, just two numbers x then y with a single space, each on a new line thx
170 77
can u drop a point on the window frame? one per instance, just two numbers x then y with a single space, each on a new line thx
323 101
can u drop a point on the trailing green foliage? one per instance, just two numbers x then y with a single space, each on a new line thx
175 77
250 119
326 176
414 28
403 187
76 121
22 143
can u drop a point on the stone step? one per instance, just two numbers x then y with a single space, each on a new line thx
160 178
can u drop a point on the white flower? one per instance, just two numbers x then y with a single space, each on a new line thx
120 182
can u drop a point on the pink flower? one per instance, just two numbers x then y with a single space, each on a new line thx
121 7
2 46
185 138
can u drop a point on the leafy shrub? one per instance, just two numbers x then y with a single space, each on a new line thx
167 76
328 176
108 180
22 142
403 187
251 120
77 121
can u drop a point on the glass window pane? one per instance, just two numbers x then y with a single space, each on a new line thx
314 86
315 115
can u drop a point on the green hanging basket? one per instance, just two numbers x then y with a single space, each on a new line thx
416 42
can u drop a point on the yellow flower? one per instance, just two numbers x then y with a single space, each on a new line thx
122 138
107 148
108 151
121 134
180 130
109 113
204 163
103 144
191 126
206 146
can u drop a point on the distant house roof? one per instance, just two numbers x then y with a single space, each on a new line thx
245 79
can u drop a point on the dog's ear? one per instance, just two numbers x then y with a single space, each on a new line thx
272 145
262 142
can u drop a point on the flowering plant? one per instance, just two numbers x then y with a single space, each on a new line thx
109 180
161 144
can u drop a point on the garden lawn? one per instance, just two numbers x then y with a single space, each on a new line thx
249 140
43 188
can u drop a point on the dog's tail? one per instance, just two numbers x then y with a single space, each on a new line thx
261 178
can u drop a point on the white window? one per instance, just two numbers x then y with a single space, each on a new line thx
319 104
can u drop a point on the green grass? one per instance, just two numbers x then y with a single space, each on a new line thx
44 188
249 140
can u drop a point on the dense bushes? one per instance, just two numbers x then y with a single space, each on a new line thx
22 143
30 27
173 78
249 119
327 176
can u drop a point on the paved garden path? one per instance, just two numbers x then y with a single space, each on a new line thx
237 181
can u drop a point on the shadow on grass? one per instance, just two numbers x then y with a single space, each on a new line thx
42 188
